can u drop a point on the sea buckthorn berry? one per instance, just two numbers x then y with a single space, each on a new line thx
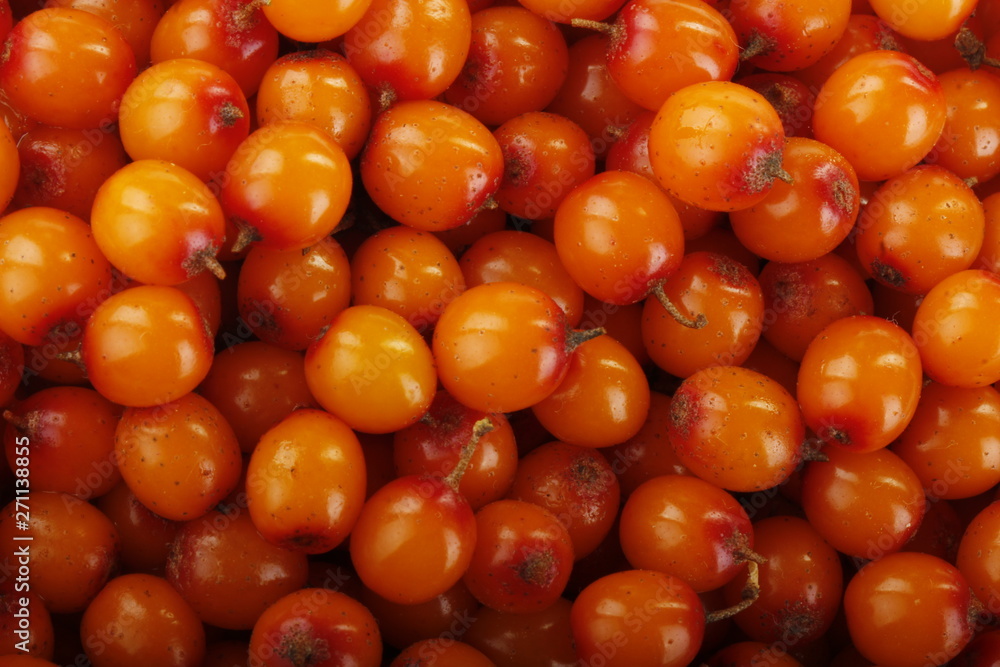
590 98
953 441
228 573
753 654
316 21
786 36
618 236
717 145
970 144
501 347
162 627
230 34
414 539
517 62
328 627
146 346
408 271
306 482
135 20
546 156
883 111
372 369
433 446
656 619
563 12
919 228
603 399
955 347
924 21
64 169
71 440
38 640
801 583
73 550
859 383
979 556
866 504
525 258
989 254
158 223
318 87
525 640
736 428
430 165
729 298
403 624
801 299
54 275
821 202
909 609
574 483
158 447
409 49
286 187
66 68
522 559
287 297
185 111
696 39
688 528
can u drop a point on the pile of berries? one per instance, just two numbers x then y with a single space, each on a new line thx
523 333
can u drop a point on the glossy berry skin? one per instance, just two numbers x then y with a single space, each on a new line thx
315 22
372 369
883 111
787 36
319 87
717 145
414 539
864 409
688 528
517 62
430 165
287 186
35 79
228 573
955 348
522 559
865 505
11 162
909 609
409 50
229 34
979 556
969 146
933 21
329 627
501 347
697 39
821 202
184 111
306 482
953 441
736 428
157 222
919 228
443 653
656 619
146 346
158 447
166 631
801 583
54 274
617 234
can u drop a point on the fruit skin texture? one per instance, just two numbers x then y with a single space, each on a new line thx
717 145
909 609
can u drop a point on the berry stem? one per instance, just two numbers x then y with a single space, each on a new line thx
751 590
577 337
588 24
479 429
697 323
211 264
